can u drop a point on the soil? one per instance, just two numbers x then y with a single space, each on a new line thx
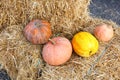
106 9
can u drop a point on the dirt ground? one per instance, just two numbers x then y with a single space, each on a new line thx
23 61
105 9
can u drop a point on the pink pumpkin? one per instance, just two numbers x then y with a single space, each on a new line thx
57 51
103 32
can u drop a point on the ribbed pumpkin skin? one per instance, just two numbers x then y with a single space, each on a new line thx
38 31
57 53
85 44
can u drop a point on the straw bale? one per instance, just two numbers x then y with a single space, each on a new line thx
19 57
66 16
77 68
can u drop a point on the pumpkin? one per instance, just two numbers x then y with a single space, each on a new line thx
38 31
57 51
85 44
103 32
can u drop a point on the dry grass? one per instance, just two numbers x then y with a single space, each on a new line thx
23 60
106 68
19 57
68 15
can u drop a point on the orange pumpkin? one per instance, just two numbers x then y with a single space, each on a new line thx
38 31
57 51
85 44
103 32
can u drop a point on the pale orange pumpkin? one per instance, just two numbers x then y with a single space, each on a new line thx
57 51
103 32
38 31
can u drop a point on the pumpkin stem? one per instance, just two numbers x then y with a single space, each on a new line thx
38 24
90 52
53 42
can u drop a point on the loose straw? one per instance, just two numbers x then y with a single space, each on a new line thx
98 58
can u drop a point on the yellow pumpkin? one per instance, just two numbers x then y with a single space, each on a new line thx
85 44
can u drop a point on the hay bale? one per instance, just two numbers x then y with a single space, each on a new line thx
20 58
77 68
66 16
23 60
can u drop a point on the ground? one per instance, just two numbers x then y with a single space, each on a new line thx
106 9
